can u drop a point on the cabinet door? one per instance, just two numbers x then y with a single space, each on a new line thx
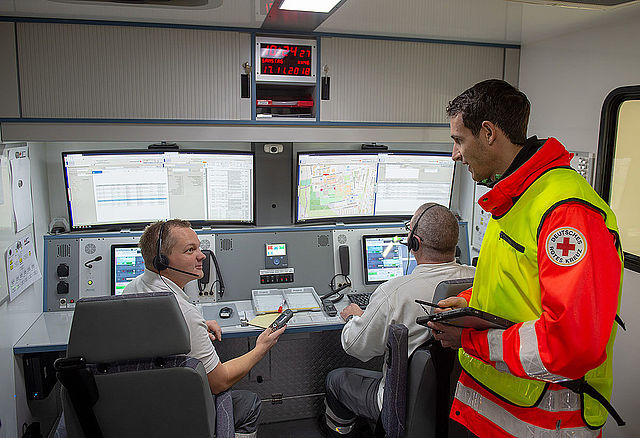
401 82
9 100
81 71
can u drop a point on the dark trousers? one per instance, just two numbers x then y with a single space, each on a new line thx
353 392
246 410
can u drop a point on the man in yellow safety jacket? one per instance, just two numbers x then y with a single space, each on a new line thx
551 261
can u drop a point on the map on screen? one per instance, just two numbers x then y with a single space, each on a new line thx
339 185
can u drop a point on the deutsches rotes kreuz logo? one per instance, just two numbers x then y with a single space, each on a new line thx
566 246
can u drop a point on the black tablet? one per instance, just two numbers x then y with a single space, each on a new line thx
467 317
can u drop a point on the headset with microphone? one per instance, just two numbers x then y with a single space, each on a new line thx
413 244
161 261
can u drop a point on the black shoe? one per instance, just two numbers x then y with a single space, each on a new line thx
353 431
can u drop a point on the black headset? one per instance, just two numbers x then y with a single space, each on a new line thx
413 244
160 261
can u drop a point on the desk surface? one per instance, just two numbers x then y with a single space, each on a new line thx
50 332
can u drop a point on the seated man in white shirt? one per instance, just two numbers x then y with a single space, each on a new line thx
353 392
172 257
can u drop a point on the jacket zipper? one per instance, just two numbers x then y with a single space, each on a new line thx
511 242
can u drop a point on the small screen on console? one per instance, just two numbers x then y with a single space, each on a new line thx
126 264
276 249
385 257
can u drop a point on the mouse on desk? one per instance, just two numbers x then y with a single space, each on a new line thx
225 312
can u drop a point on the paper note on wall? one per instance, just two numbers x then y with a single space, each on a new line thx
22 266
21 187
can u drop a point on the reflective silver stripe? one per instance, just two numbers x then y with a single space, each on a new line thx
563 400
513 425
530 356
494 339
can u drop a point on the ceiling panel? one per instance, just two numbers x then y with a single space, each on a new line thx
234 13
477 20
499 21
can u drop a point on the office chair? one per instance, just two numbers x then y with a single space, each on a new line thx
451 288
126 373
419 390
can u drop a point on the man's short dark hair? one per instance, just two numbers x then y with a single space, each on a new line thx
148 242
438 229
495 101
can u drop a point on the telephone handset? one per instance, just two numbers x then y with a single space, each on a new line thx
206 269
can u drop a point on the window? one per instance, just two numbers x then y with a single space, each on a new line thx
617 177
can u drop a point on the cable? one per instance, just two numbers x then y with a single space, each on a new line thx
332 284
212 286
334 291
218 275
165 283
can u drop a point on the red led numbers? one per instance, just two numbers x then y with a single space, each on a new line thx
285 60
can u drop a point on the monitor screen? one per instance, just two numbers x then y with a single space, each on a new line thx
366 185
124 188
126 264
385 257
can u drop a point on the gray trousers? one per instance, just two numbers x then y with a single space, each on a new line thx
246 410
352 392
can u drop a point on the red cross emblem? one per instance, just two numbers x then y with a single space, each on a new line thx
565 246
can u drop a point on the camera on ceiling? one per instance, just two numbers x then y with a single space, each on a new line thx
273 148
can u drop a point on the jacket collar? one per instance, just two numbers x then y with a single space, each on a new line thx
506 192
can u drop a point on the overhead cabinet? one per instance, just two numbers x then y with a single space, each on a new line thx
400 81
83 71
138 73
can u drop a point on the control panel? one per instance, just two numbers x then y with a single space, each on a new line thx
62 274
85 265
271 276
583 163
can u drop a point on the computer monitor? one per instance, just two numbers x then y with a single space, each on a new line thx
379 185
125 188
126 264
386 257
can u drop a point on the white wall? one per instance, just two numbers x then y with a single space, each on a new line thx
16 316
567 78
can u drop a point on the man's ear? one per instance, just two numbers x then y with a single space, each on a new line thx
489 131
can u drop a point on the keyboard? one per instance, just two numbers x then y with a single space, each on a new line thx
361 300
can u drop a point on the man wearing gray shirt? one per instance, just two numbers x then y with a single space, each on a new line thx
172 258
355 392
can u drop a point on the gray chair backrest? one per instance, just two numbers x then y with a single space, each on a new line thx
450 288
135 345
421 395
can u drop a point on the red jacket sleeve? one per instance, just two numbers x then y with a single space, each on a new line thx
579 277
466 294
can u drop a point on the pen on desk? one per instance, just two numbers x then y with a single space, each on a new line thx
426 303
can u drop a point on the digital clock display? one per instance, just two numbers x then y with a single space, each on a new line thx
285 59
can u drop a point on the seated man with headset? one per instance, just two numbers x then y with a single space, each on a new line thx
352 392
172 257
